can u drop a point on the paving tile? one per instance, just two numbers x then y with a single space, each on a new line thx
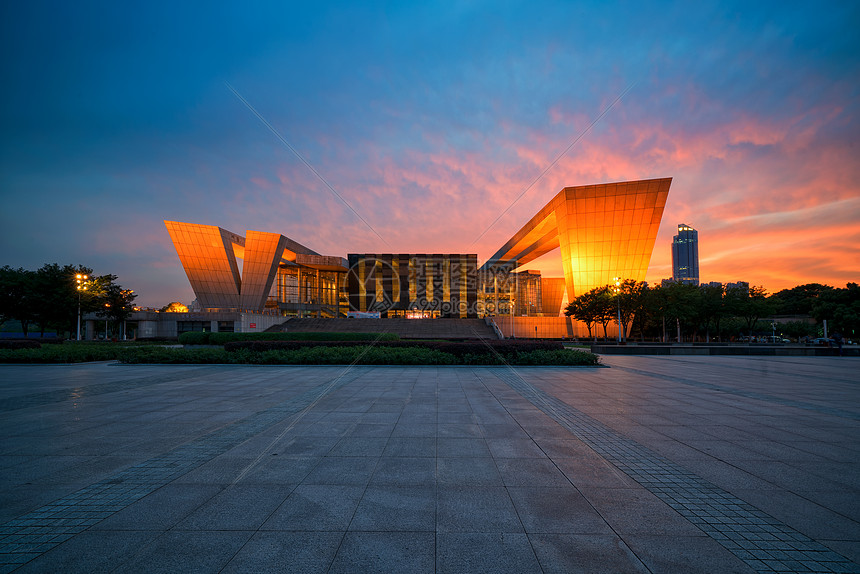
396 508
594 471
455 418
557 510
303 446
530 472
405 471
463 430
385 552
237 507
497 552
277 552
467 471
411 446
512 430
585 554
162 509
476 509
514 448
692 554
277 470
353 470
410 429
359 446
92 552
196 551
316 508
460 447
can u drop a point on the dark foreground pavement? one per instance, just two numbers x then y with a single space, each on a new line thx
657 464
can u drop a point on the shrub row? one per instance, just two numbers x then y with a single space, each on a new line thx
71 353
358 354
208 338
19 344
306 355
455 348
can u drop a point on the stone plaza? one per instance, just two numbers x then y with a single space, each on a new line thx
648 464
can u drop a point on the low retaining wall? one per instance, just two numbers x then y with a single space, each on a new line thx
775 350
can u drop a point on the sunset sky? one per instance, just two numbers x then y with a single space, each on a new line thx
429 120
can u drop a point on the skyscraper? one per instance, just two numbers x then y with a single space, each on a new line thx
685 255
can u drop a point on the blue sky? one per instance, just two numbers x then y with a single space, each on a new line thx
429 120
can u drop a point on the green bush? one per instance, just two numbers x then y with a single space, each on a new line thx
172 355
393 353
195 338
456 348
20 344
69 353
566 357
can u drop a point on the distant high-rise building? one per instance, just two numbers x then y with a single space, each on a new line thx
685 255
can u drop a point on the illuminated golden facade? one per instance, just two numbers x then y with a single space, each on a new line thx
552 295
604 231
276 270
208 254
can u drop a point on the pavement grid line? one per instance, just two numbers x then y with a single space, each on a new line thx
27 537
761 541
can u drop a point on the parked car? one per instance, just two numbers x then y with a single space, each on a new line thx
823 341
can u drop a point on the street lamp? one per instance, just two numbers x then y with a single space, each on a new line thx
126 293
618 297
82 284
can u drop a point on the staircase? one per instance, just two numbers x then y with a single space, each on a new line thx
405 328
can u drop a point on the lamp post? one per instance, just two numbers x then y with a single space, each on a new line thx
82 284
618 299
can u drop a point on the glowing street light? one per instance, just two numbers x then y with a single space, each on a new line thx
617 290
82 283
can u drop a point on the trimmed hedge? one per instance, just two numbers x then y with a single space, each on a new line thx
20 344
456 348
70 353
358 354
209 338
313 353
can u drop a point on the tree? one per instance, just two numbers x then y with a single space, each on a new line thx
631 300
798 329
605 305
680 303
711 308
17 296
57 293
50 297
118 304
646 316
798 300
587 308
841 308
750 305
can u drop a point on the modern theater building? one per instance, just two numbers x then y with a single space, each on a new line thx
601 232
